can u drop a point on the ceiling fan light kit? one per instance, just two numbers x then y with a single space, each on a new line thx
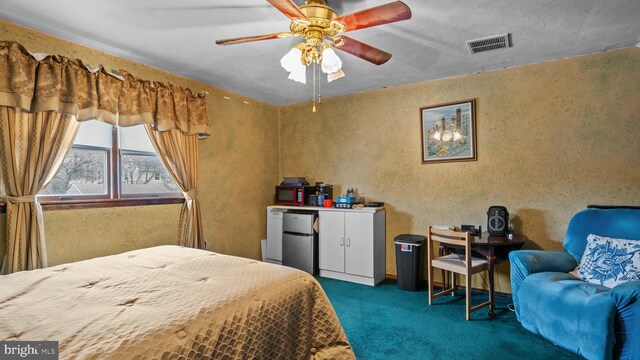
321 29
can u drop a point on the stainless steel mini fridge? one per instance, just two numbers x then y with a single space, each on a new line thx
300 241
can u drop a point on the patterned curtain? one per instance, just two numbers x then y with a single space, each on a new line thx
33 148
41 102
59 84
179 154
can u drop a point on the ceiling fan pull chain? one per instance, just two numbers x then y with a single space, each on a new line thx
314 87
319 86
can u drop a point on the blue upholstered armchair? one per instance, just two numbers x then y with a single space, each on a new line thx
592 320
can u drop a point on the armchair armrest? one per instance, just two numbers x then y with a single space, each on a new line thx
626 297
527 262
534 261
626 293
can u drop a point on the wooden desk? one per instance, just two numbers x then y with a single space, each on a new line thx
495 249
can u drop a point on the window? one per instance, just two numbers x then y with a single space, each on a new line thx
85 170
141 169
109 163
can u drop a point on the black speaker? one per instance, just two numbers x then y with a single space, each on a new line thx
497 220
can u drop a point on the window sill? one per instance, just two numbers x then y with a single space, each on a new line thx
53 205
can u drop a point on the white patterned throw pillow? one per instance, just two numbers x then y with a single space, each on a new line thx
609 262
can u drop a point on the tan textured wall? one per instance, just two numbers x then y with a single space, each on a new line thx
552 138
238 167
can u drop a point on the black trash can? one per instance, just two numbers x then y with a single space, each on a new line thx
410 261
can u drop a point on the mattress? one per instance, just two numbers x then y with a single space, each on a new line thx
171 302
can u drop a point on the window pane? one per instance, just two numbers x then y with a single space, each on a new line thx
135 138
94 133
145 174
82 173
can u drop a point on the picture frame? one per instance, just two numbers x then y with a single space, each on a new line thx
449 132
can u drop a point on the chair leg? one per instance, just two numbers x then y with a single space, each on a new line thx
453 283
429 274
468 295
443 277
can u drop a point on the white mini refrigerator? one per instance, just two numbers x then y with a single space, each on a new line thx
300 241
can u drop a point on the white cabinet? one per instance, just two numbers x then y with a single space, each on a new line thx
351 246
274 235
331 241
359 244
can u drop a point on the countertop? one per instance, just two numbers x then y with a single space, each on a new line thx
321 208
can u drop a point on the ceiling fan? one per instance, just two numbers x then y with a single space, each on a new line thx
316 22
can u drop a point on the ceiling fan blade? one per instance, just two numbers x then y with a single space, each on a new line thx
289 8
383 14
244 39
362 50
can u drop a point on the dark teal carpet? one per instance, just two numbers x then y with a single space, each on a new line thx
383 322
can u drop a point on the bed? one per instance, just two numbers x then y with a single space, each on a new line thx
171 302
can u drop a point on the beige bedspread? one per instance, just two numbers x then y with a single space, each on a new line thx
171 302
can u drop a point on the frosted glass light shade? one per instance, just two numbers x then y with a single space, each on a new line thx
335 76
331 63
299 75
292 60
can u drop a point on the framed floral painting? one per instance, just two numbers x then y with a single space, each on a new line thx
449 132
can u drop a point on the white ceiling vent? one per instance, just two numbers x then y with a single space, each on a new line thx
489 43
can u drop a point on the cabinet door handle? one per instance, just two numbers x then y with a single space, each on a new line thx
341 241
348 242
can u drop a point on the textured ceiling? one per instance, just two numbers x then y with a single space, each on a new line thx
178 36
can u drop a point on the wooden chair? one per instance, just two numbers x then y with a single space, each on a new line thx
455 263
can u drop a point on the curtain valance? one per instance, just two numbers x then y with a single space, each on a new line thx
67 86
